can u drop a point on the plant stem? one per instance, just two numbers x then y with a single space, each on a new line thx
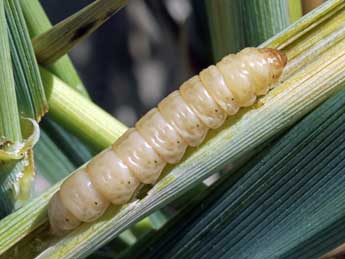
79 115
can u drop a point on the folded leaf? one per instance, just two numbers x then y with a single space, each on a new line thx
10 131
29 88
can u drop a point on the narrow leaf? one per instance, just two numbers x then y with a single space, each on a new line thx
56 42
79 115
72 147
51 164
263 19
225 23
286 204
295 10
38 23
31 97
9 114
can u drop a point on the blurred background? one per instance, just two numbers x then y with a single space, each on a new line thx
141 54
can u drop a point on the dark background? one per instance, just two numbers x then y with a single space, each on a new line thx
141 54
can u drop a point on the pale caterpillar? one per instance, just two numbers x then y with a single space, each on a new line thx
162 135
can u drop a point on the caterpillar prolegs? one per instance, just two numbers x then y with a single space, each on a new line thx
162 135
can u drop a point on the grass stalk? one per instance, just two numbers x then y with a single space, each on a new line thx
79 115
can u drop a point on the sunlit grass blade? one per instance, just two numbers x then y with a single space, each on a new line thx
31 97
9 114
56 42
38 23
295 10
314 72
286 203
79 115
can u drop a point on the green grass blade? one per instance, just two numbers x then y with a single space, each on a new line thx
9 114
31 97
263 19
79 115
51 164
295 10
72 147
225 23
9 172
38 23
311 76
286 203
56 42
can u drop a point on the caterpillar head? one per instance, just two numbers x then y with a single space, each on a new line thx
277 60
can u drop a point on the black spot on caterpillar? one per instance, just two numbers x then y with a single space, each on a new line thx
162 135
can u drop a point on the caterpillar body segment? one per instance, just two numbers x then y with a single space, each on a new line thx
201 102
180 115
162 135
140 157
215 85
79 196
112 178
60 219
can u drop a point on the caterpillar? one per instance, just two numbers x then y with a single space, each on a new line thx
162 135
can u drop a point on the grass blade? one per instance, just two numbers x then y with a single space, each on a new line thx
31 97
9 114
56 42
279 208
51 164
38 23
225 23
264 19
79 115
72 147
295 10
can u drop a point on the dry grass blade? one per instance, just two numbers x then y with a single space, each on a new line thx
56 42
309 5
